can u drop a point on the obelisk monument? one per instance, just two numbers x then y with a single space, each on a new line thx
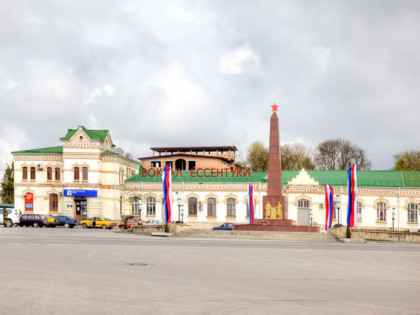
274 204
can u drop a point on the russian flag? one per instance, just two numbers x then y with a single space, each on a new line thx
352 203
167 191
251 205
329 206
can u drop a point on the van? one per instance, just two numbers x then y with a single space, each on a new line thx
11 219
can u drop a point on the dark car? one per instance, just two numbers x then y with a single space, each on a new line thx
224 226
65 221
35 220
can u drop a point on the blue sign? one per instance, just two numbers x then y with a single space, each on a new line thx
80 193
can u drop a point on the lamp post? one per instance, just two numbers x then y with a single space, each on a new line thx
180 206
140 208
310 215
338 204
393 218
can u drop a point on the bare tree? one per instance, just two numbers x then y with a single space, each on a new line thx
128 156
296 156
339 154
119 151
407 161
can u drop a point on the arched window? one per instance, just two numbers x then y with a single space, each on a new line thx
381 211
57 173
231 207
192 206
53 202
24 173
49 173
76 173
85 171
412 213
150 206
135 206
211 207
180 164
32 173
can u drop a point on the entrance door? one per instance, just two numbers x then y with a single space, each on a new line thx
303 212
81 208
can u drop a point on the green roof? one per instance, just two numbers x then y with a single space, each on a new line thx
93 134
50 150
334 178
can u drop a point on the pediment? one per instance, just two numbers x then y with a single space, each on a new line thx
80 137
303 179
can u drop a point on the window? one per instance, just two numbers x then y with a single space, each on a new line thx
85 173
381 211
231 207
76 173
135 206
192 206
191 165
211 207
169 163
150 206
24 173
32 173
303 203
49 173
155 164
412 213
53 202
57 173
359 210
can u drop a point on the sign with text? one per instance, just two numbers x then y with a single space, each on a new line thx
29 202
80 193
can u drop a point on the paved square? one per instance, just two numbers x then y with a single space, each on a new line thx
68 271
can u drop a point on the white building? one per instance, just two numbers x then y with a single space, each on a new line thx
83 177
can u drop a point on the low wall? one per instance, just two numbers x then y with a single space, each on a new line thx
409 237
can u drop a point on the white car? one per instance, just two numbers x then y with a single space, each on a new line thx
153 222
13 217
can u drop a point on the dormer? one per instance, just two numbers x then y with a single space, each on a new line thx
88 138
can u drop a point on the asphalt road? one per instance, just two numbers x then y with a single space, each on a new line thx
77 271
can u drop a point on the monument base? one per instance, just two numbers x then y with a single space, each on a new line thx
276 226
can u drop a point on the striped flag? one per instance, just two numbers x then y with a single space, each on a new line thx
329 206
167 191
251 205
352 203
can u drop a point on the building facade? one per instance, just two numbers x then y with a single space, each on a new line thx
83 177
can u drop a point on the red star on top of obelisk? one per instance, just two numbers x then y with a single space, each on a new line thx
274 107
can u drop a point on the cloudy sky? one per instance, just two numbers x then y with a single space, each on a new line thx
180 73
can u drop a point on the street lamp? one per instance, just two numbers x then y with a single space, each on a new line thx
140 208
393 218
180 206
338 204
310 215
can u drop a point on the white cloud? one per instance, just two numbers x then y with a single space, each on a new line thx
242 60
107 90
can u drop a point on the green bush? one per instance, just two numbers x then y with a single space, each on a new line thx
166 227
348 232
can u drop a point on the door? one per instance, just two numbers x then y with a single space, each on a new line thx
81 208
303 212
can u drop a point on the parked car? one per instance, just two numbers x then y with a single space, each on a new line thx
65 221
224 226
153 222
98 222
35 220
52 222
130 223
11 219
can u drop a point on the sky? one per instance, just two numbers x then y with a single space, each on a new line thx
186 73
